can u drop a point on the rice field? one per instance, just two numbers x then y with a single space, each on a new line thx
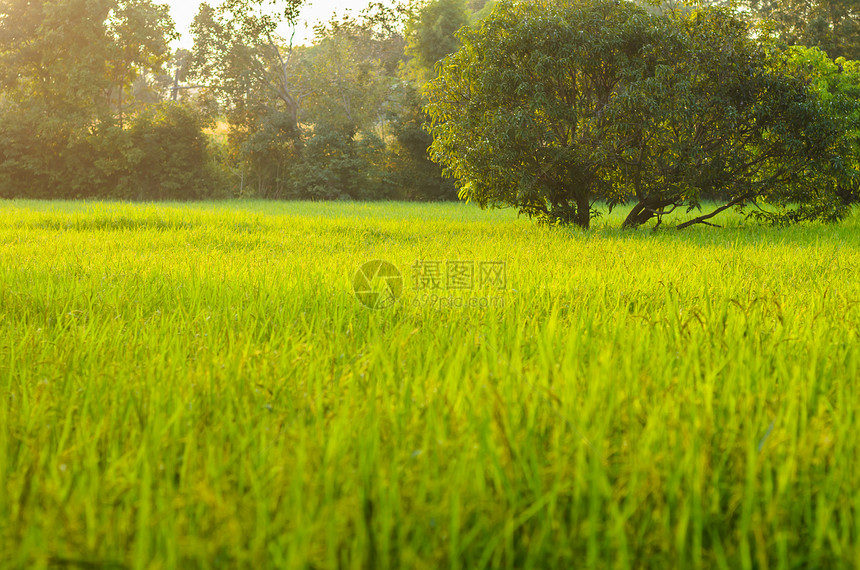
229 385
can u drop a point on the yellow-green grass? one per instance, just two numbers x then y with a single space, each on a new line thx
196 386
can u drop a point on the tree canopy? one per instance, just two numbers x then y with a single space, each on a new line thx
430 34
551 106
69 72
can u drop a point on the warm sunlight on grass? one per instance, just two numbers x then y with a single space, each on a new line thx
196 386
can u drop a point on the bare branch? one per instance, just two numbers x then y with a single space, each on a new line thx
702 219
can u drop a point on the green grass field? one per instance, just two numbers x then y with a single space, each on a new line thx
198 386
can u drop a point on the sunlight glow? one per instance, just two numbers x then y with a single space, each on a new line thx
183 12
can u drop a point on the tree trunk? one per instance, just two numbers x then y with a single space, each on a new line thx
644 211
583 210
293 110
633 218
121 89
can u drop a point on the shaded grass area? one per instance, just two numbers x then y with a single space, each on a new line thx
196 386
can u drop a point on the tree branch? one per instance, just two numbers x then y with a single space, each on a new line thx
702 219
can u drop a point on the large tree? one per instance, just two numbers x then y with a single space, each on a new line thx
140 33
63 65
519 112
243 49
351 70
730 120
551 106
244 55
54 55
350 73
77 57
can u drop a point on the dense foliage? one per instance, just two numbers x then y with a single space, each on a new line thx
76 112
94 103
336 120
733 119
550 106
831 25
553 106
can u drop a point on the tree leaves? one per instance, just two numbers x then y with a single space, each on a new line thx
522 107
550 106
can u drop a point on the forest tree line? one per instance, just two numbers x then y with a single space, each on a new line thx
94 102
